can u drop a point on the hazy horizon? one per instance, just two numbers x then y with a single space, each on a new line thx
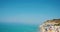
29 11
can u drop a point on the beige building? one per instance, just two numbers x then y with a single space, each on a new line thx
50 26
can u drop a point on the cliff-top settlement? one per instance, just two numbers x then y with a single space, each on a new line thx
50 26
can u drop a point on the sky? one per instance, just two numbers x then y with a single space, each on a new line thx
29 11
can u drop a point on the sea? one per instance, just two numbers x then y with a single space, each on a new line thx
14 27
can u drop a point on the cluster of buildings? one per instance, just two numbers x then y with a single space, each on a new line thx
50 26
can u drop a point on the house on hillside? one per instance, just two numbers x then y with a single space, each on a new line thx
50 26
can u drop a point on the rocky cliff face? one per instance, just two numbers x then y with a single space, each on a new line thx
51 26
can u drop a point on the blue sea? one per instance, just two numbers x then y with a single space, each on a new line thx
13 27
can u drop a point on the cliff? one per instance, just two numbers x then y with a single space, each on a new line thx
50 26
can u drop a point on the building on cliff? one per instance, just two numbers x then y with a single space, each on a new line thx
50 26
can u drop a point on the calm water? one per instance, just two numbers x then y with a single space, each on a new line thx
18 28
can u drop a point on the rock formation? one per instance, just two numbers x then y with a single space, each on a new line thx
50 26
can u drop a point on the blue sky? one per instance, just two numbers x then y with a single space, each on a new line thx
29 11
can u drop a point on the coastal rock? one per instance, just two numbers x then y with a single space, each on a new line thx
50 26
